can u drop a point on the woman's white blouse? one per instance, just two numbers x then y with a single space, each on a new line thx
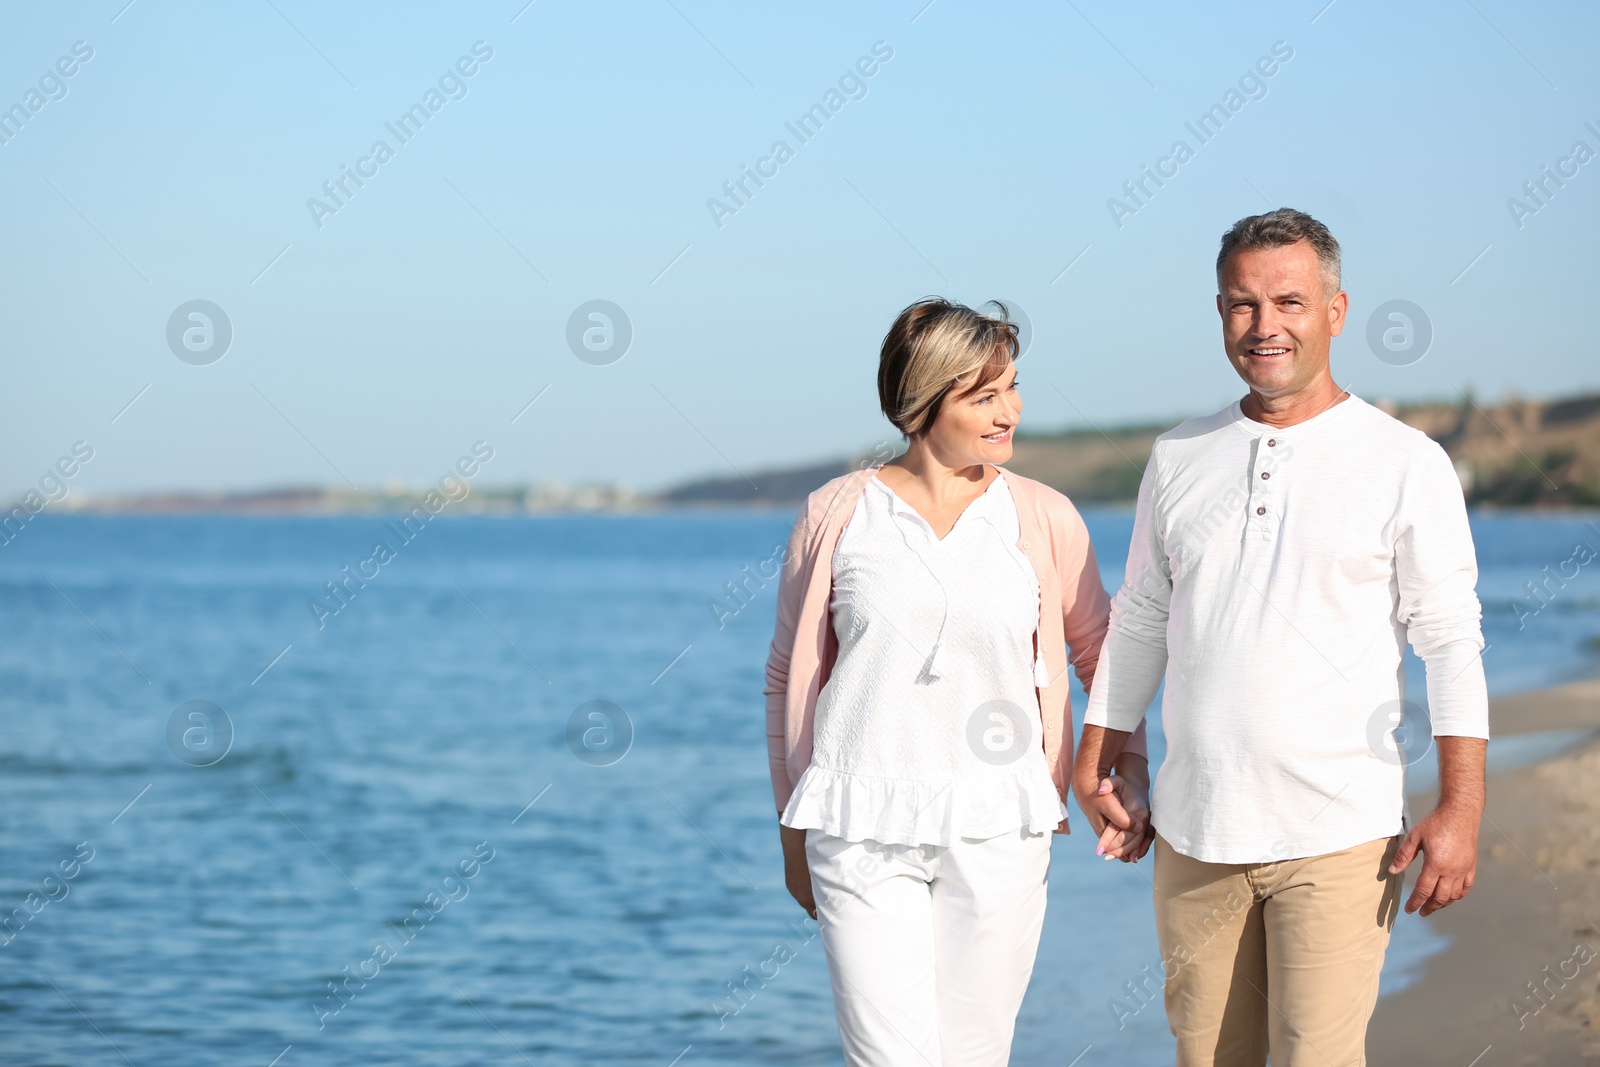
928 727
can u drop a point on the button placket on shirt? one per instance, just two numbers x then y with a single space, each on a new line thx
1266 485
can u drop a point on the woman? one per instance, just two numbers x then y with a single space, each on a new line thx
918 719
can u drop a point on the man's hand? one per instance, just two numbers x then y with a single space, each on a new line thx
1448 837
1448 840
796 870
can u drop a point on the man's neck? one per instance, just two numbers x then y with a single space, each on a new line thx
1285 411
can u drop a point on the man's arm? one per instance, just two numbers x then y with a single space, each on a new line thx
1437 570
1134 655
1448 837
1132 662
1086 618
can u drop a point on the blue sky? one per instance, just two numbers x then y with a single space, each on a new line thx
577 162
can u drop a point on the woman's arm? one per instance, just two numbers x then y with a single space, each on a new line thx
797 869
791 581
1085 607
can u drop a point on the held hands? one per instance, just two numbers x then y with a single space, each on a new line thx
1131 836
1113 789
1448 839
1119 812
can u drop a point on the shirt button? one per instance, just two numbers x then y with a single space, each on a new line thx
1265 475
1261 511
1272 442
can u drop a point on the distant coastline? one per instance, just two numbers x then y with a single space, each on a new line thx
1517 453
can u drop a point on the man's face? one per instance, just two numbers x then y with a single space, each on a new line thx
1277 318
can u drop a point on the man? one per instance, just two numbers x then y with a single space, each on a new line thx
1283 551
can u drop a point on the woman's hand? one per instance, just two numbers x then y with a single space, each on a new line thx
796 871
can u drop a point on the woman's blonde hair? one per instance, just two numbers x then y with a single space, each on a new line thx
933 345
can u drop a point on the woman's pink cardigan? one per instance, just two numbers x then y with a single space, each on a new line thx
804 646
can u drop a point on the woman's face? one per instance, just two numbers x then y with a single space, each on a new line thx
977 428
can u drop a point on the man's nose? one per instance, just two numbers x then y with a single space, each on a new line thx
1265 324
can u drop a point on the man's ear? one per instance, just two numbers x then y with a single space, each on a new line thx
1337 308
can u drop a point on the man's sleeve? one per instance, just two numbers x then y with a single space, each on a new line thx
1436 568
1085 611
1134 656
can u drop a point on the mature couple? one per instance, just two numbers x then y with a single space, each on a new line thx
1284 551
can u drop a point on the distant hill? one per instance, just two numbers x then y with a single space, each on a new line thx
1518 453
783 486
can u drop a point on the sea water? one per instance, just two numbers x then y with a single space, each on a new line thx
385 840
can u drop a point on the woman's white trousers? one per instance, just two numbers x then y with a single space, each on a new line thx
930 947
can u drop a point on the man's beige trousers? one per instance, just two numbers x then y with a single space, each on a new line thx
1274 956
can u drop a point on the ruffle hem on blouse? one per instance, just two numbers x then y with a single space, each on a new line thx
907 811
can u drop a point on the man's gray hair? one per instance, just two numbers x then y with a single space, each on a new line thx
1285 226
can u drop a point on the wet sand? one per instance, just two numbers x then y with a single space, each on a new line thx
1520 980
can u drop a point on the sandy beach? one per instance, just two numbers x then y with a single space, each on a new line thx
1520 980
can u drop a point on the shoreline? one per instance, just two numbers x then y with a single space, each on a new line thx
642 504
1519 981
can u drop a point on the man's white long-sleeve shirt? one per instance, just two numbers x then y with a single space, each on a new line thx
1273 579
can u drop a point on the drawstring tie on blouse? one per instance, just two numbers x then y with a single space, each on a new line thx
932 668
